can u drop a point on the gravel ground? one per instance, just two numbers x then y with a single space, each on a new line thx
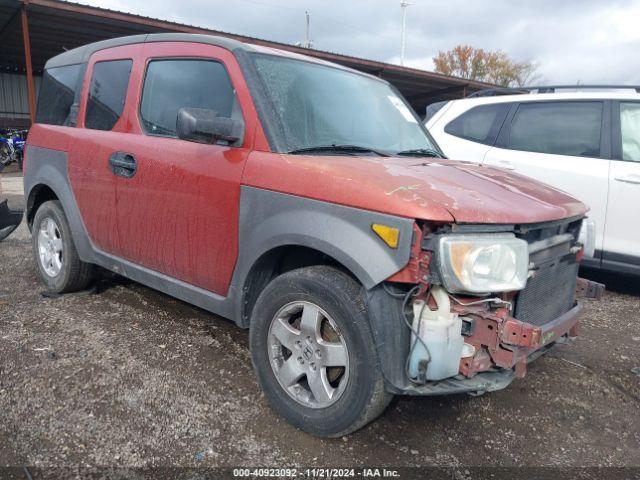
130 377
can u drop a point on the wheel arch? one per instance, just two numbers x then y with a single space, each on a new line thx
273 263
39 194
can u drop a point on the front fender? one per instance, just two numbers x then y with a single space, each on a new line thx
270 219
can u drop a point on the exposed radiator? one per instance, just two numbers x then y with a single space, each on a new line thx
548 294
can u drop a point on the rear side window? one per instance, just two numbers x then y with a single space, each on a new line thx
57 101
107 93
560 128
170 85
480 124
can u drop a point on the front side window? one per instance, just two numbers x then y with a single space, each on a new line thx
321 105
57 96
107 93
170 85
560 128
479 124
630 125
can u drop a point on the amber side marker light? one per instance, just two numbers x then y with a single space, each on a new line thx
389 235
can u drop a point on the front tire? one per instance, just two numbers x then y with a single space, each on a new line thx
313 352
54 251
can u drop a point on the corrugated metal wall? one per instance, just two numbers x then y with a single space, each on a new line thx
14 99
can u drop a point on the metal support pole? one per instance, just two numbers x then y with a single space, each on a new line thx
403 4
31 89
307 40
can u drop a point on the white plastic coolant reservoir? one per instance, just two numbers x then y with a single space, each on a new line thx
440 330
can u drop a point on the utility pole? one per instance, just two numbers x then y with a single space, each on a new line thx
307 42
403 4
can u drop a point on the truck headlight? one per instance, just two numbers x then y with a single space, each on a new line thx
483 263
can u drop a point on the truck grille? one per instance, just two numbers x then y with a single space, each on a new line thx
548 294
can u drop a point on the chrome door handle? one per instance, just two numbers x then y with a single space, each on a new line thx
634 179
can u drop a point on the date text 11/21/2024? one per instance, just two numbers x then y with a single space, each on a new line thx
316 472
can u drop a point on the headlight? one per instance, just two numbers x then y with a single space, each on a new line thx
483 263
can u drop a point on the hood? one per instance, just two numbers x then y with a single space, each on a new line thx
421 188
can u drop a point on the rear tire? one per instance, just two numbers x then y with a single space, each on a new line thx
354 392
54 251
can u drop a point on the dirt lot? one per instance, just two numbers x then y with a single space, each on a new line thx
130 377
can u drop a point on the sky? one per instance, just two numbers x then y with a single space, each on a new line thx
585 41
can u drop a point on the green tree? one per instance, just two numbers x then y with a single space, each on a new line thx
496 67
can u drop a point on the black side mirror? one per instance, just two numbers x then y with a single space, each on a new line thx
204 126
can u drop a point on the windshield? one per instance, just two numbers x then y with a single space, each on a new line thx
320 105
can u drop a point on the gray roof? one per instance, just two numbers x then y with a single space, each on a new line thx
82 54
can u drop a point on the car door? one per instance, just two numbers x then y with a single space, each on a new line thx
622 232
178 201
102 123
565 144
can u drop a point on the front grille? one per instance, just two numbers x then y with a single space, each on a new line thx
548 294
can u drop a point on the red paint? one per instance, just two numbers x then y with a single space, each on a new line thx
479 362
515 332
428 189
179 214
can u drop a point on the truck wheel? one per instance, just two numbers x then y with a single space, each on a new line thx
313 352
59 265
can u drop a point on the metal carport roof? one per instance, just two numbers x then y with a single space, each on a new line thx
55 26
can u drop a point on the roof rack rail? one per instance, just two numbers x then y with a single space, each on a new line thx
491 92
494 92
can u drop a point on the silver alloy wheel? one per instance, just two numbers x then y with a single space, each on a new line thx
308 354
50 247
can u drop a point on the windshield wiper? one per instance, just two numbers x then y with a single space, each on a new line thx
421 152
348 149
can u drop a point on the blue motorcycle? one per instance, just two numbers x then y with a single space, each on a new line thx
12 147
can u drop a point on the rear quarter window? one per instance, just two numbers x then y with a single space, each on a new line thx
59 95
480 124
107 93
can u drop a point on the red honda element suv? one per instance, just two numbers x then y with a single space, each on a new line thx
306 202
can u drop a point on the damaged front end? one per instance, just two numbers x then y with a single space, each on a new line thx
480 302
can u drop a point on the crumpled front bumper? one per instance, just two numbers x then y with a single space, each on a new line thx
566 324
500 377
515 344
9 220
